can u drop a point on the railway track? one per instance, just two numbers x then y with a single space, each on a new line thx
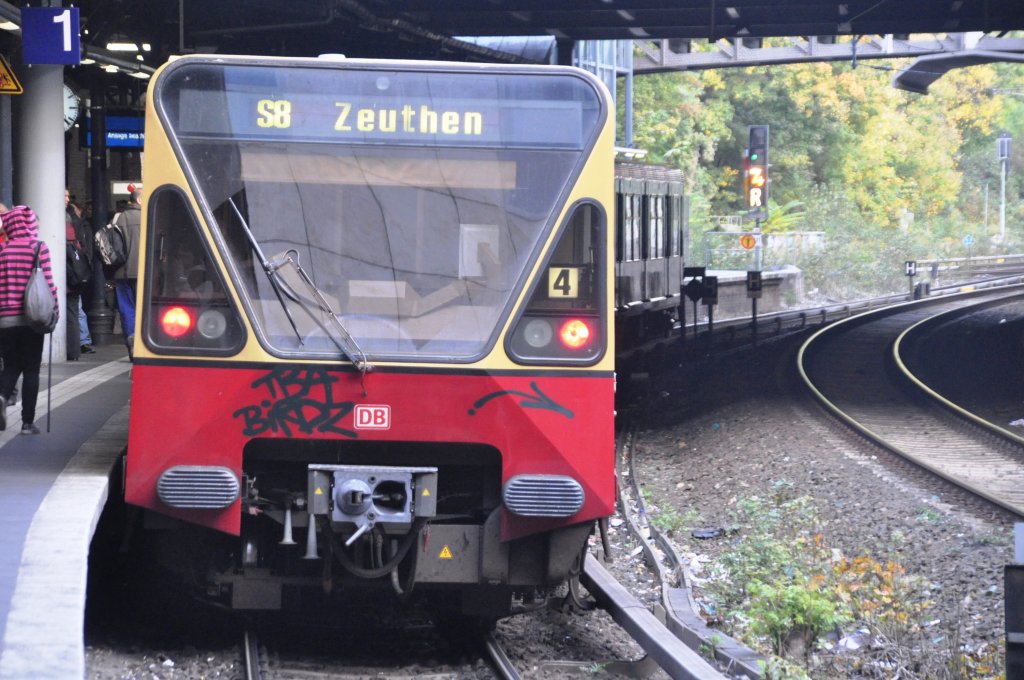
664 649
669 649
856 369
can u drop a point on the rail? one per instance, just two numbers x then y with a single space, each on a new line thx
678 660
776 322
851 377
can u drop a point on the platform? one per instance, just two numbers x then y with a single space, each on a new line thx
52 490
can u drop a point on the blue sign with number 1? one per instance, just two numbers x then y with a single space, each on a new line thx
49 35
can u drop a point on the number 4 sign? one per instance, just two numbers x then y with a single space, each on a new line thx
49 35
563 282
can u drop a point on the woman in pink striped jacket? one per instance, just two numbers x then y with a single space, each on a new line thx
22 347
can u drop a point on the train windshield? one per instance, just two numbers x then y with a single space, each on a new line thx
416 201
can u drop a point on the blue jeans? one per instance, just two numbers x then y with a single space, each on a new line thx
84 337
126 306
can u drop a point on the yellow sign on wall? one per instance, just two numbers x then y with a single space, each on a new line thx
8 82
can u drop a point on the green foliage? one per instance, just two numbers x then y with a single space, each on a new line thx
777 538
887 175
929 516
793 611
783 217
776 580
665 518
781 588
668 521
775 668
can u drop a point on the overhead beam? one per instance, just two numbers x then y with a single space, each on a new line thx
926 70
657 56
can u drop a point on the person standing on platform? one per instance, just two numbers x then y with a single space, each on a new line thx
77 326
22 346
84 235
126 276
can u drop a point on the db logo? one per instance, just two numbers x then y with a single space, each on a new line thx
373 417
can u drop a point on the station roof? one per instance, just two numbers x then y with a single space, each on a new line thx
428 28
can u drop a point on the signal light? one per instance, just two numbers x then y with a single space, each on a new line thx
755 179
574 334
176 322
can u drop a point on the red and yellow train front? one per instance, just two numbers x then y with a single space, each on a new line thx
375 301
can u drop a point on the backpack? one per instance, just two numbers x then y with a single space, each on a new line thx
40 307
110 244
78 271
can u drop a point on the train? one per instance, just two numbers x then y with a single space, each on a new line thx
376 326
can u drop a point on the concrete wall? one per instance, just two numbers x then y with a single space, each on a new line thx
781 289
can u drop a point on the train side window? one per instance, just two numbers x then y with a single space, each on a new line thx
675 231
675 216
656 227
181 275
628 250
620 208
633 220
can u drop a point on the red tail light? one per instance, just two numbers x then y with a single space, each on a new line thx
176 322
574 334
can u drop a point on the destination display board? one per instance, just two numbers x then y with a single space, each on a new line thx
349 106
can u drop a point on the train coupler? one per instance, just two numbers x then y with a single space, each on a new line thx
364 496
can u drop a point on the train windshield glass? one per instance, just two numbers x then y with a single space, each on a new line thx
415 200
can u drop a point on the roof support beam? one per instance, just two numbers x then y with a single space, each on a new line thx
926 70
657 56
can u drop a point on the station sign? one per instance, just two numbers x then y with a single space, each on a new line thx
49 35
754 285
694 290
1003 143
710 294
910 267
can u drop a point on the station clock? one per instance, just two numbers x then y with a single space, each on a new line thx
72 107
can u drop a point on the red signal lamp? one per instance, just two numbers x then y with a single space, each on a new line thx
176 322
574 334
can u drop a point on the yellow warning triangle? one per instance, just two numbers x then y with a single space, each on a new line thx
8 82
446 554
426 492
318 492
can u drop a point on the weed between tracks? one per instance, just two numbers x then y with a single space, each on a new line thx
816 613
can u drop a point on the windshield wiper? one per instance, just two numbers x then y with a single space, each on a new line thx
343 339
354 353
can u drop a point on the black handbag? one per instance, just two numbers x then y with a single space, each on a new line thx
79 272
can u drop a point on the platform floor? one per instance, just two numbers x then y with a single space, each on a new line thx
52 490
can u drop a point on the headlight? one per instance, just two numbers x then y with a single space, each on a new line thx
538 333
212 324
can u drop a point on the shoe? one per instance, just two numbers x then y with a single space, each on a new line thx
3 414
29 428
88 349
